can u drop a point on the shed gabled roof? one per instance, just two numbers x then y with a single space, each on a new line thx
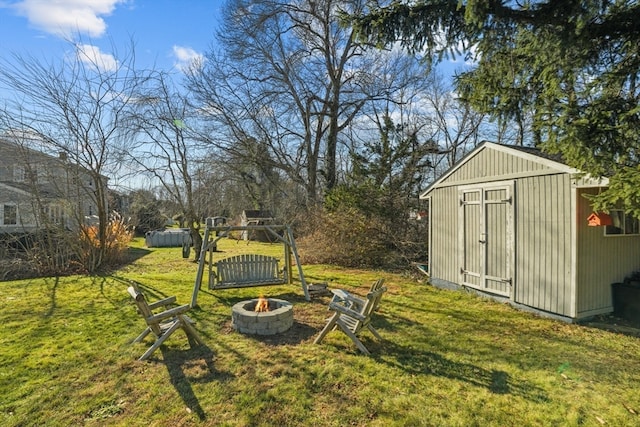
547 163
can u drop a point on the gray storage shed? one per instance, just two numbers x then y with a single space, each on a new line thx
512 222
256 217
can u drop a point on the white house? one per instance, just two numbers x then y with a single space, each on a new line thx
37 189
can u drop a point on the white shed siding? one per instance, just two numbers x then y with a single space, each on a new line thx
601 260
443 253
542 215
493 163
561 265
543 243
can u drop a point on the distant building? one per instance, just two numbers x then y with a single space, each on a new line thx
256 217
37 189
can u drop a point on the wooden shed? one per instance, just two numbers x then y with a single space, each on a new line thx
256 217
513 223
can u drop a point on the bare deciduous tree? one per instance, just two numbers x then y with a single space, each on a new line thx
454 126
75 107
290 77
164 148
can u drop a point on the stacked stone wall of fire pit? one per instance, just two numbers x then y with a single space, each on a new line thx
277 320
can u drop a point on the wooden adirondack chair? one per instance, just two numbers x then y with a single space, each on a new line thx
163 323
352 315
354 302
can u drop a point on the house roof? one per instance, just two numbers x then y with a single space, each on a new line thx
44 190
15 189
34 155
552 162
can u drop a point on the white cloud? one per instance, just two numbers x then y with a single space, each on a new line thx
67 17
92 56
186 57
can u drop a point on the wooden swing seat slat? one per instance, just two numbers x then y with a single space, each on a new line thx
244 271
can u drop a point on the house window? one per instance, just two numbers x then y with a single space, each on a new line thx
10 215
21 174
623 224
56 214
18 173
41 176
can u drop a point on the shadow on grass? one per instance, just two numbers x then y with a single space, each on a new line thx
185 366
298 333
419 362
130 257
134 254
192 366
54 304
611 323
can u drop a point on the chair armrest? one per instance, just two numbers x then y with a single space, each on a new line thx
346 311
172 312
162 303
339 294
342 295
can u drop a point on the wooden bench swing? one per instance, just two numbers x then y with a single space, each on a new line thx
246 270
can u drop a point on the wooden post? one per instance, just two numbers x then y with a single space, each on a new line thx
201 262
297 259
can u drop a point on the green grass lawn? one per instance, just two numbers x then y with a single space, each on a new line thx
447 358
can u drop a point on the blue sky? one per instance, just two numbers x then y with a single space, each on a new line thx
167 33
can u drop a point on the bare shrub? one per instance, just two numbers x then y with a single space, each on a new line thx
348 238
15 268
59 252
43 253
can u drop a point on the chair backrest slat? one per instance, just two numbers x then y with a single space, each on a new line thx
373 300
144 309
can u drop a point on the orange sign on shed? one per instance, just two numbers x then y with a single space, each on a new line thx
598 219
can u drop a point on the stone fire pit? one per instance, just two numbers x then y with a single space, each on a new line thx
277 320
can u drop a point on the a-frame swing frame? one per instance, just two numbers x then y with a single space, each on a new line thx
281 233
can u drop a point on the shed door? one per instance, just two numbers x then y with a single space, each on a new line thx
486 237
